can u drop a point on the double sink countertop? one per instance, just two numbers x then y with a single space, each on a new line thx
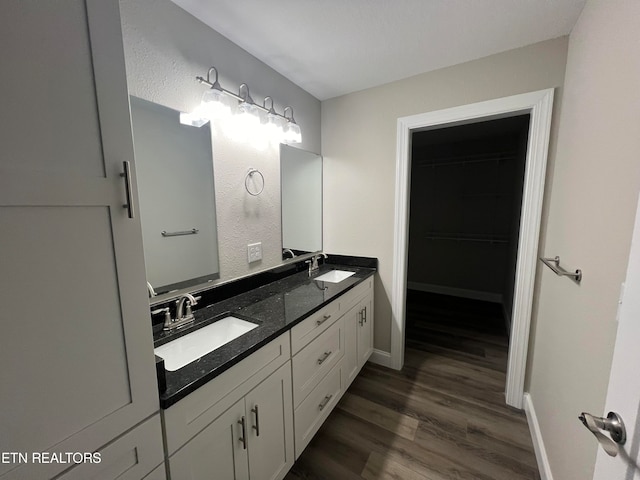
275 306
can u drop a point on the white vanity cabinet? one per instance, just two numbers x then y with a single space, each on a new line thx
359 336
239 425
76 345
358 320
330 347
245 423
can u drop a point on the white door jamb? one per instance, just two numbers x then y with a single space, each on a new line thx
539 105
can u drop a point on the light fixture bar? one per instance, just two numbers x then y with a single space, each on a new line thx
236 96
215 85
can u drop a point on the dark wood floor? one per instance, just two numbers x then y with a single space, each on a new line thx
442 417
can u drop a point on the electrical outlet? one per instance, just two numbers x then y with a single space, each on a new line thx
254 252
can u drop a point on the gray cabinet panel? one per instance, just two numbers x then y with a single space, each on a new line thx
48 89
216 452
269 412
66 338
77 348
130 457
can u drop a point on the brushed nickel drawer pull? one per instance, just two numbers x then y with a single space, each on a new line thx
324 357
364 314
361 321
256 427
193 231
324 319
243 438
324 402
128 187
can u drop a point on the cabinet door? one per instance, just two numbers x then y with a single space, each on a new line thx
270 426
350 361
76 344
365 329
219 451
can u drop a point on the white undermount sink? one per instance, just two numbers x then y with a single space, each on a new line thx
334 276
181 351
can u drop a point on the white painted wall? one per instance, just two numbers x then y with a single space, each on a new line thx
165 49
359 145
591 211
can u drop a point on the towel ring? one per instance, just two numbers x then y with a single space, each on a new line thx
250 174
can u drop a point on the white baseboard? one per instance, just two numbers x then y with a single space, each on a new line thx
455 292
381 357
536 436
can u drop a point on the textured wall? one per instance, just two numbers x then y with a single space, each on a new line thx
359 147
165 48
591 213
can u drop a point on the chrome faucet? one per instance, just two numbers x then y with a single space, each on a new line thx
289 251
184 315
180 304
313 263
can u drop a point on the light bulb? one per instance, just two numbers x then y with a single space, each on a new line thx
213 104
293 134
273 128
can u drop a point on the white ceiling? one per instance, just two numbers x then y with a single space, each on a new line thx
334 47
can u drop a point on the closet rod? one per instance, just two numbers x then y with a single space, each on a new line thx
470 238
445 163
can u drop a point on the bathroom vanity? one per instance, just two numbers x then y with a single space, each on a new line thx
78 352
249 408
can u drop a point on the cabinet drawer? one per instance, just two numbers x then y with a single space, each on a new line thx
129 457
313 326
313 362
313 411
193 413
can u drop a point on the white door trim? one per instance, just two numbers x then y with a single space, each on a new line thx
539 105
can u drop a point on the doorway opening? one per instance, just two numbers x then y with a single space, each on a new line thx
538 105
464 223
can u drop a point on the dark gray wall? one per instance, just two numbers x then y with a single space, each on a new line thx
466 183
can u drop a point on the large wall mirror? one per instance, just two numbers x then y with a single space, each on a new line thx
174 166
301 195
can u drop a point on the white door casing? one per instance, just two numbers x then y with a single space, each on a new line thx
539 105
623 394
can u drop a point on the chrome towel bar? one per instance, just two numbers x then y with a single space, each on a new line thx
193 231
554 264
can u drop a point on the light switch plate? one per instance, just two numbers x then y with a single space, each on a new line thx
254 252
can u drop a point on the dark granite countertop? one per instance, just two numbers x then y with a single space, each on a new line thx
276 306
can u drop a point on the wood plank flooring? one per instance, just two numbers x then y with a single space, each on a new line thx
442 417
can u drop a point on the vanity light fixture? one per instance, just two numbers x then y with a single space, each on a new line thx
212 100
292 133
248 110
213 106
273 123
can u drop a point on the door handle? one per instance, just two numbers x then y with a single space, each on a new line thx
243 438
126 174
612 424
256 427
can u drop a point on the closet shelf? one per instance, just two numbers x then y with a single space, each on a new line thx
466 159
461 237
